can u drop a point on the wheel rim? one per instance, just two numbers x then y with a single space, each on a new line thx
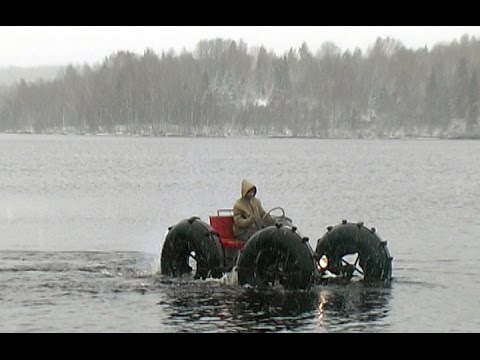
345 268
350 269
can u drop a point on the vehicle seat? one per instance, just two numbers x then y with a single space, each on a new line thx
223 225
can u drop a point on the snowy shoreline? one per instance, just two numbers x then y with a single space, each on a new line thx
471 136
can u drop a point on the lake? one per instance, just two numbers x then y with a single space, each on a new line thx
83 219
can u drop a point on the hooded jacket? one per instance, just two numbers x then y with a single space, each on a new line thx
248 213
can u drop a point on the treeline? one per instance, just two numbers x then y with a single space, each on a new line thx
225 88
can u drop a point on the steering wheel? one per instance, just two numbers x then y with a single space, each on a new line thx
282 217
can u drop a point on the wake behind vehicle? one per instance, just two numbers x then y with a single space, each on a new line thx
277 255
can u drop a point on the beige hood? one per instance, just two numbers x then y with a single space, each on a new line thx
246 186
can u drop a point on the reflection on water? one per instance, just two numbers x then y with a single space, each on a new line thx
275 310
353 307
208 306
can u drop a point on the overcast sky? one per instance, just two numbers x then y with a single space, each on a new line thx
62 45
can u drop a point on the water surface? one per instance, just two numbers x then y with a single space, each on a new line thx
82 221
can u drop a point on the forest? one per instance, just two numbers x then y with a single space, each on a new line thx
225 88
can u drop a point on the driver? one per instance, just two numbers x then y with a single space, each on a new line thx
248 213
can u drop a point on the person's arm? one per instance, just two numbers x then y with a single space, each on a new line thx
261 209
267 220
241 219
